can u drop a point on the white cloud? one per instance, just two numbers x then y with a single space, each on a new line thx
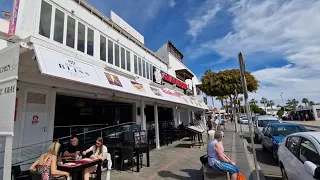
172 3
203 18
285 29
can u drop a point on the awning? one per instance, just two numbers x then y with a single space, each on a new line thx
56 64
185 73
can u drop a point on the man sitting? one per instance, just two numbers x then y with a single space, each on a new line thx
74 148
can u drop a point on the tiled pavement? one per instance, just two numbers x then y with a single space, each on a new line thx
180 162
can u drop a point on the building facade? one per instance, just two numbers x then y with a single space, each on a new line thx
66 64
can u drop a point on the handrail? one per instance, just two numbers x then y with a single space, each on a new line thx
82 125
119 125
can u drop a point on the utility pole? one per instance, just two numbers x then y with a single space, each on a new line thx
245 94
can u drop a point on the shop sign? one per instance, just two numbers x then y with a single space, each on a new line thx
166 91
35 120
63 66
13 19
160 75
175 81
8 78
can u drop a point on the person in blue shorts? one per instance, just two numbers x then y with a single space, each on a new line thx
217 159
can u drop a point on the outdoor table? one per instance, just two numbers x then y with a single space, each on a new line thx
80 165
138 148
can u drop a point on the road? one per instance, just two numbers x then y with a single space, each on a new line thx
268 166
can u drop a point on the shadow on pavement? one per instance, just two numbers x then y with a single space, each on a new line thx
253 175
191 174
183 145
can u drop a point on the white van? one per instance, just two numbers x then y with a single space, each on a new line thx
260 123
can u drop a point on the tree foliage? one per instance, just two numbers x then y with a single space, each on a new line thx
254 108
224 83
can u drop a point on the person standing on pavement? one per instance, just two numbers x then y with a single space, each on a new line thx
209 122
217 159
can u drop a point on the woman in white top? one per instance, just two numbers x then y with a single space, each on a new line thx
100 151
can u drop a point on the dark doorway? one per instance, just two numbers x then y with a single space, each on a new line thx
71 111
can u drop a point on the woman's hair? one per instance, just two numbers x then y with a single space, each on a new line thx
54 148
211 134
100 139
218 134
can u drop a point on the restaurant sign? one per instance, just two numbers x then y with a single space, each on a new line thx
160 76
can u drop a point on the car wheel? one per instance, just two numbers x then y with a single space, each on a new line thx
284 174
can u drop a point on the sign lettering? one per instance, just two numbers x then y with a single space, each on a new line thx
175 81
73 70
5 68
7 90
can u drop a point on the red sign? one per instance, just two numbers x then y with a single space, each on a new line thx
171 93
35 120
16 110
175 81
13 19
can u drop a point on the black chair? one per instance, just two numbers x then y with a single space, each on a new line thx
114 156
127 154
17 174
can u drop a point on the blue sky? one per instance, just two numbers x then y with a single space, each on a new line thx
280 39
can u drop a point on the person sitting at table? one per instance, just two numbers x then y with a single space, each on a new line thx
46 165
99 151
74 148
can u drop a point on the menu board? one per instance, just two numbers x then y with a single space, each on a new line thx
143 137
140 138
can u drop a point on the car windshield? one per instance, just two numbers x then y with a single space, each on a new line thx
262 123
286 130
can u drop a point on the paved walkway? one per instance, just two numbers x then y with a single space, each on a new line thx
180 162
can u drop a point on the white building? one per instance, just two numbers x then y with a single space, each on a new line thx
64 61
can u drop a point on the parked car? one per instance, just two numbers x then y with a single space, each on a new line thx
244 120
274 133
261 122
299 156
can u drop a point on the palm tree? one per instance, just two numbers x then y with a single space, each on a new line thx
279 106
264 101
305 101
221 99
270 104
294 102
253 101
289 102
311 103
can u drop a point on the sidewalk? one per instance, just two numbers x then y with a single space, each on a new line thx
180 162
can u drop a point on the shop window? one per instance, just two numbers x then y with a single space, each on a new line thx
139 66
90 42
116 55
102 48
147 72
71 29
36 98
128 61
45 19
144 68
135 63
58 26
151 72
123 58
81 36
110 52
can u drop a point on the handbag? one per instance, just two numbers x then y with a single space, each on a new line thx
204 159
241 176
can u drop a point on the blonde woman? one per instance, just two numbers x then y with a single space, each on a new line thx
100 151
46 165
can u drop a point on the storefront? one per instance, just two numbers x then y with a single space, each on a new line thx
50 80
72 66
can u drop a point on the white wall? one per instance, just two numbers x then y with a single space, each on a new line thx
315 107
162 52
29 17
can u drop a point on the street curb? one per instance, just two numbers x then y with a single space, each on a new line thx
247 153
